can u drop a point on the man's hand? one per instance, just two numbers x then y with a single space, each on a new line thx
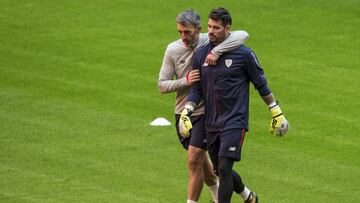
211 58
193 76
279 125
185 122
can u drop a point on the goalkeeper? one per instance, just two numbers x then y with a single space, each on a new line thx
225 90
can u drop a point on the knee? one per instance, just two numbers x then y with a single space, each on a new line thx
224 171
195 162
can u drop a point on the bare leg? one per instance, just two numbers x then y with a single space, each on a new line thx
195 165
209 176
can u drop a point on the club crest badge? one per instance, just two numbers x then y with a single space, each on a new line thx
228 62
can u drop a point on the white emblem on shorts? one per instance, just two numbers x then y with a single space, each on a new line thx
204 141
232 149
228 62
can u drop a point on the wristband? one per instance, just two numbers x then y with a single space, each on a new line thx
272 104
190 107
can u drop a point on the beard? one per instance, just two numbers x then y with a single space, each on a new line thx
212 38
216 39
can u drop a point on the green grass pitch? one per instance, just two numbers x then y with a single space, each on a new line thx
78 89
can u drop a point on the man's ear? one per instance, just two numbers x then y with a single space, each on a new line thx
228 28
199 29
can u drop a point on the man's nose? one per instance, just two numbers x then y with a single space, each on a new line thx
183 36
210 30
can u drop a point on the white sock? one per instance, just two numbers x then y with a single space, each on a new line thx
245 193
190 201
214 191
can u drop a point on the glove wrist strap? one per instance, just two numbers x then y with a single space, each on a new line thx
272 104
275 111
189 107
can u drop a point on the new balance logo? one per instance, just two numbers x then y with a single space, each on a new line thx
232 149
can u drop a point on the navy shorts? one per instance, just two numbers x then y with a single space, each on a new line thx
226 143
197 136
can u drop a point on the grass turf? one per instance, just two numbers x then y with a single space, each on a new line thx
78 91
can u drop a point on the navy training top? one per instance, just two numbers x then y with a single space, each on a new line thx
225 86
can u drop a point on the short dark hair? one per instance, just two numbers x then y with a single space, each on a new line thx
221 14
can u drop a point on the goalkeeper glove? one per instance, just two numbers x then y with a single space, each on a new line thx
185 122
279 125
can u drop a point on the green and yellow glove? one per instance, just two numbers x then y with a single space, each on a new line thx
279 125
185 123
